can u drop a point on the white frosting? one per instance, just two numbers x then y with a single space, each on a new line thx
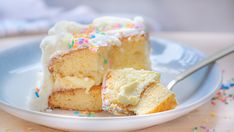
107 31
40 103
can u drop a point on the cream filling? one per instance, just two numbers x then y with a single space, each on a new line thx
128 93
134 85
70 82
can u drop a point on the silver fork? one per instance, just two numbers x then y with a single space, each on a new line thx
208 60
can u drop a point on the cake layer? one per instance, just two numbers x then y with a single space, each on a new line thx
155 98
132 53
77 99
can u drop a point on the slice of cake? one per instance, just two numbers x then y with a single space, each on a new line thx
129 91
75 58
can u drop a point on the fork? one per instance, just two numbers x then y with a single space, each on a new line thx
208 60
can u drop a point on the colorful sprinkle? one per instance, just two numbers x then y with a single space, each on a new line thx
77 40
202 127
37 90
213 114
110 63
70 45
84 114
232 84
207 129
93 48
105 108
129 25
86 41
92 36
30 129
213 103
117 26
105 61
194 129
91 115
224 86
76 113
75 46
37 94
223 94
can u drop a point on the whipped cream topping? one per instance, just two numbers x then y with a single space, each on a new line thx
67 35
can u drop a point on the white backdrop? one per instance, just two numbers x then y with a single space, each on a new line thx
20 17
173 15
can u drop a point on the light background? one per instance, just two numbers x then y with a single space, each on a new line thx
172 15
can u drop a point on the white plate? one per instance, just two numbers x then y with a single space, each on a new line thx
18 67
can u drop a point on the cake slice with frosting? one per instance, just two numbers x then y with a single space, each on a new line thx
129 91
75 58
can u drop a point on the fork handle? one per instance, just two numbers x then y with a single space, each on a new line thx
208 60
